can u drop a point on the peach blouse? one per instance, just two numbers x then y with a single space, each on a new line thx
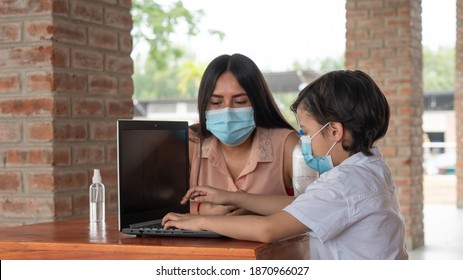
263 174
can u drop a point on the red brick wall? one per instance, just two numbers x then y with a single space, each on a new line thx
65 78
458 105
384 40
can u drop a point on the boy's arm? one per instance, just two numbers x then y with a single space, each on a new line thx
261 204
266 229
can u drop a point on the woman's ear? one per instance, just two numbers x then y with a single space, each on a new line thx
336 131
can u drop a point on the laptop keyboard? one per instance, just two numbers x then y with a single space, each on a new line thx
158 227
155 228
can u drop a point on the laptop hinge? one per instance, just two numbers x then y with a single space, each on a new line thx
147 223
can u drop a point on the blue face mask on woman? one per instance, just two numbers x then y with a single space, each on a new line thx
320 164
232 126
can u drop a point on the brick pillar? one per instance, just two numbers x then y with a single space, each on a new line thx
65 78
458 103
384 40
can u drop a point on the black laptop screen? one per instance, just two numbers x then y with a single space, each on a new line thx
153 169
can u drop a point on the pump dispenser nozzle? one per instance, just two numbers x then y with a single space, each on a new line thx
96 176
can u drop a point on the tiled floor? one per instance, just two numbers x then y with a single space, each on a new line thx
443 222
443 233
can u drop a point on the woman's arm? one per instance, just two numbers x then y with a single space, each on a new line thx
193 141
205 208
290 143
256 203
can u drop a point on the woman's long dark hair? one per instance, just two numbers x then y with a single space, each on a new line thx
248 75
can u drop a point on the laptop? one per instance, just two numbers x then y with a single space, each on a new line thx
153 176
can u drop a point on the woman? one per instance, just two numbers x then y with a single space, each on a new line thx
242 141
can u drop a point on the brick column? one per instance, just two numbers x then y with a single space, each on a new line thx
458 103
65 78
384 40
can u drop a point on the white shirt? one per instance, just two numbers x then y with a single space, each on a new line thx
352 212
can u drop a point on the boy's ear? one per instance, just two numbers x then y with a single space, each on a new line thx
336 131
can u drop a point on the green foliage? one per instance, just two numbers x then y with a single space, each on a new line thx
166 69
155 24
178 81
323 65
439 69
332 63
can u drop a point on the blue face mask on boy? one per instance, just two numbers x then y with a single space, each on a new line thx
320 164
232 126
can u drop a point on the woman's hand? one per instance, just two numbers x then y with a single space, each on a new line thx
208 194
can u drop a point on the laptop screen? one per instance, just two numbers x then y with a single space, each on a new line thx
153 169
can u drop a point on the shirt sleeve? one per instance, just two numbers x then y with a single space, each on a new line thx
323 209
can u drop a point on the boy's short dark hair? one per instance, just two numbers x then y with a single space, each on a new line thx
351 98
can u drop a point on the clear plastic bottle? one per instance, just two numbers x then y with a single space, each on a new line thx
303 175
97 198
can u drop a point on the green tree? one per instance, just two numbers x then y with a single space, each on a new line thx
165 69
331 63
179 80
438 69
322 65
155 24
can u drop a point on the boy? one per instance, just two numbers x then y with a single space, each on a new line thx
351 211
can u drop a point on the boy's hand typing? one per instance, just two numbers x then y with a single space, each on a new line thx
182 221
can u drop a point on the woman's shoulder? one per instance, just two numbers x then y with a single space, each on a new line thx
280 138
279 132
286 136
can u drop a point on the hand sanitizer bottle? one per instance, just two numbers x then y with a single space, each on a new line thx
97 197
303 175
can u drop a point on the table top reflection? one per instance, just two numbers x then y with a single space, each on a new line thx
76 238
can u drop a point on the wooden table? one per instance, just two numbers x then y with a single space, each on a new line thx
75 239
